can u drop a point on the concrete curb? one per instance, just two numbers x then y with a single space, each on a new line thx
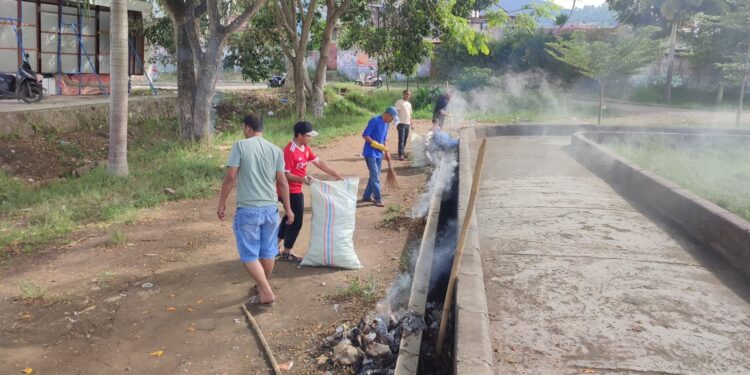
472 340
715 227
552 129
407 362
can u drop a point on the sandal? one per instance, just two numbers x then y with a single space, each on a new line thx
379 204
255 301
254 291
291 258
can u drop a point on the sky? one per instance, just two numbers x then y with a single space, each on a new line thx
579 3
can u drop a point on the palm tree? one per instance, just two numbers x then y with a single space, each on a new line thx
117 163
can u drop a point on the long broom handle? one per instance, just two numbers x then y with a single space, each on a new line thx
460 246
276 369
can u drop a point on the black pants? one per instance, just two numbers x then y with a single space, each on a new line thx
289 232
403 136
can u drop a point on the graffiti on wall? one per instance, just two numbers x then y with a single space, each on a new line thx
352 63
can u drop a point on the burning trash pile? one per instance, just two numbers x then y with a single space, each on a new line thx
371 348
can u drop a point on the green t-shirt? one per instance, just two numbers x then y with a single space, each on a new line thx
258 160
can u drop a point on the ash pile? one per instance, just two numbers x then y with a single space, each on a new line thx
371 348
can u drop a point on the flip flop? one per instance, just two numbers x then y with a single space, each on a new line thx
291 258
253 291
255 301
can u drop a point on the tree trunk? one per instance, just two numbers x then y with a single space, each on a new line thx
742 99
720 94
670 62
117 161
299 88
186 84
601 103
407 82
318 96
205 89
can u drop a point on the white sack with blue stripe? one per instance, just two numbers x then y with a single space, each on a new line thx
334 213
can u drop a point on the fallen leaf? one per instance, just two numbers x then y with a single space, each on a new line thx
286 366
589 371
190 309
171 309
198 302
157 353
322 360
191 328
27 370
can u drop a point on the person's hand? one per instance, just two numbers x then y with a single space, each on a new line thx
387 156
220 212
338 178
289 217
308 180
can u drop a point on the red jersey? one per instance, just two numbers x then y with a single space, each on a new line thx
295 160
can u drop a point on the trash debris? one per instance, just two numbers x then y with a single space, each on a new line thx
376 349
345 353
147 285
157 353
27 370
169 191
171 309
286 366
113 299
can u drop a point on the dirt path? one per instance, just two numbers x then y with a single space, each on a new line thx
579 280
93 315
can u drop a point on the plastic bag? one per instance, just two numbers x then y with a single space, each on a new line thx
334 212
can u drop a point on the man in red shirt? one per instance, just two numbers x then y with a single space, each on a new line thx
296 156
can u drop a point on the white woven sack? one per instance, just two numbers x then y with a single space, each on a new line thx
418 157
334 211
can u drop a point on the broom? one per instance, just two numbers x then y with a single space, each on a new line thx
390 178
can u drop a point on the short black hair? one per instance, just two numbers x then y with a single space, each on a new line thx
253 122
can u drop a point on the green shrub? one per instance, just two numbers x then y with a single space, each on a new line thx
472 77
425 97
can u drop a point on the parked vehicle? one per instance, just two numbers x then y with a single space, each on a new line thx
26 85
277 81
369 80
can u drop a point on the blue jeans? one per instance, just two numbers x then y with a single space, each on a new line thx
255 230
373 183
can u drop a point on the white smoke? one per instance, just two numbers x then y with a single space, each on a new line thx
438 181
531 91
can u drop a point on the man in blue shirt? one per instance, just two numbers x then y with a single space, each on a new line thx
375 135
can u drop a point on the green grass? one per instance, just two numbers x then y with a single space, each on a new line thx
116 238
31 291
34 217
358 289
685 98
720 175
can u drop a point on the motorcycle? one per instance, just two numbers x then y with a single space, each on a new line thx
277 81
26 85
369 81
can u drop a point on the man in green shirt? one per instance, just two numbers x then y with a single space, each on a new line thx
258 168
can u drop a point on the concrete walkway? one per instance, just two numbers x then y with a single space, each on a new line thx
580 281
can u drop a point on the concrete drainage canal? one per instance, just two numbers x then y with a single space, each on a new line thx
400 336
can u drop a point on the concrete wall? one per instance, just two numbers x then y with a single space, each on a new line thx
27 122
715 227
